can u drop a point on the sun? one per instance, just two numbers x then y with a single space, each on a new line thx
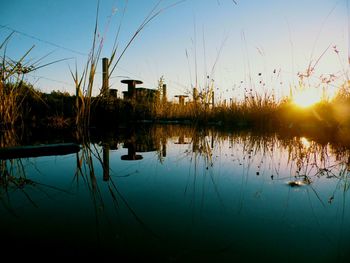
307 97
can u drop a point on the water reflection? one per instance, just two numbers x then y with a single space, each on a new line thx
192 195
105 163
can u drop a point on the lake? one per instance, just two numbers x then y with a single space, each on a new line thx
175 193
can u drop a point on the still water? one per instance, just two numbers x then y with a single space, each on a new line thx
180 194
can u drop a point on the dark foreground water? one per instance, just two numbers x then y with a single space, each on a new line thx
177 194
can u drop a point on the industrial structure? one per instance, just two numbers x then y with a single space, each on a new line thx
142 95
139 94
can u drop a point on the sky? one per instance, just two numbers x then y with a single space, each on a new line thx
258 45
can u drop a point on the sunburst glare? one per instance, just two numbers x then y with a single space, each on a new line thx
307 97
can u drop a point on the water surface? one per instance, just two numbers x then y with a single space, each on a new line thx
180 194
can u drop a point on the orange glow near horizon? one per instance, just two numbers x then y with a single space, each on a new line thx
307 97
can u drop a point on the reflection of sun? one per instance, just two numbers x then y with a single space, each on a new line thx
307 97
305 142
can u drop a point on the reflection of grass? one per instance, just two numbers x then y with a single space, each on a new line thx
13 179
206 187
306 161
284 159
86 171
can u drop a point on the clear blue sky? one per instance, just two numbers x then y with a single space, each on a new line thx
257 36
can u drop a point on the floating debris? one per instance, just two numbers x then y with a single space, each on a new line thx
296 183
330 200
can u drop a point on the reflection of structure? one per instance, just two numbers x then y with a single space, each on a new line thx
181 140
164 141
138 94
195 144
131 156
136 141
181 99
106 147
139 143
105 162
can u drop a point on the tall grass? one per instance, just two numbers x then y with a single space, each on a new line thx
262 107
16 95
256 109
13 91
84 83
12 74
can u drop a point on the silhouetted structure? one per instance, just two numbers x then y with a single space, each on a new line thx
113 93
139 94
105 83
195 95
212 99
131 94
181 99
164 99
